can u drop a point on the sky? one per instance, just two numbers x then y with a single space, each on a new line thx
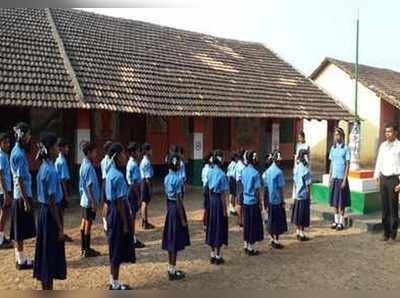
302 32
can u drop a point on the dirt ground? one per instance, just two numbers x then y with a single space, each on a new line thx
350 259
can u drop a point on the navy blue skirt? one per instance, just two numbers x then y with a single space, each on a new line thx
22 223
145 191
217 226
232 186
277 223
239 192
50 262
175 235
340 198
301 213
133 199
206 198
121 247
253 230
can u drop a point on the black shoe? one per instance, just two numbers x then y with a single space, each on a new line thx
339 227
298 237
219 261
385 238
91 253
252 253
139 244
304 238
246 251
276 245
68 238
27 265
334 226
233 213
6 244
148 226
176 276
213 260
393 236
120 287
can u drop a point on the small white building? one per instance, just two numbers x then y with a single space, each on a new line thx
378 103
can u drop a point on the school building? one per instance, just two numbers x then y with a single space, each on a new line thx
378 103
87 76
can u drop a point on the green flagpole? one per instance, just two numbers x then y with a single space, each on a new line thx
356 70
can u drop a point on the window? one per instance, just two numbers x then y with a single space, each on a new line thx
222 133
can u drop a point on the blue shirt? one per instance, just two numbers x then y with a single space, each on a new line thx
217 181
302 179
239 169
274 181
231 169
146 170
48 183
132 172
88 177
105 165
5 168
62 167
204 174
172 185
20 169
251 183
182 170
338 156
116 187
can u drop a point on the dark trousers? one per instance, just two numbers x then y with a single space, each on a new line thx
390 205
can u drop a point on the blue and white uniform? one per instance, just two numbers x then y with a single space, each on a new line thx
134 179
238 176
6 170
231 174
301 209
88 178
339 156
146 172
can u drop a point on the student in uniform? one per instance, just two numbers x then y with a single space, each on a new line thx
217 227
119 218
146 188
339 156
5 189
22 215
230 173
133 178
301 207
275 182
268 163
63 172
239 186
105 166
301 145
207 166
50 262
89 190
176 231
252 205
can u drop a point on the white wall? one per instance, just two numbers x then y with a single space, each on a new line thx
316 133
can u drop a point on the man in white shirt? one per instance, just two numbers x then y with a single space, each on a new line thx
387 173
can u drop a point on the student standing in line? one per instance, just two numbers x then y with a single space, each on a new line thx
176 232
182 169
207 166
146 187
339 156
22 215
119 218
5 189
387 173
275 181
217 227
133 178
105 165
63 172
90 197
239 186
301 207
50 262
301 145
253 231
230 173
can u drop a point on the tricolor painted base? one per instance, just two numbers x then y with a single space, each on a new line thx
194 169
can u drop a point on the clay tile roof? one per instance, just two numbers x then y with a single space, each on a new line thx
132 66
384 82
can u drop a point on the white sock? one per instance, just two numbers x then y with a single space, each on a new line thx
171 269
218 256
298 232
341 219
114 283
1 237
212 254
134 239
252 247
21 259
336 218
301 233
245 245
104 224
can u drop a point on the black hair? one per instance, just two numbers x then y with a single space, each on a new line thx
47 140
235 156
24 127
87 147
340 131
107 145
276 155
241 153
4 136
206 158
268 161
173 161
393 125
61 142
251 157
146 147
217 158
302 134
133 147
115 149
173 149
302 156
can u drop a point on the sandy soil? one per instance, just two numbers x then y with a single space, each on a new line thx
350 259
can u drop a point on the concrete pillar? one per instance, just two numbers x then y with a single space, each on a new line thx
198 151
82 132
